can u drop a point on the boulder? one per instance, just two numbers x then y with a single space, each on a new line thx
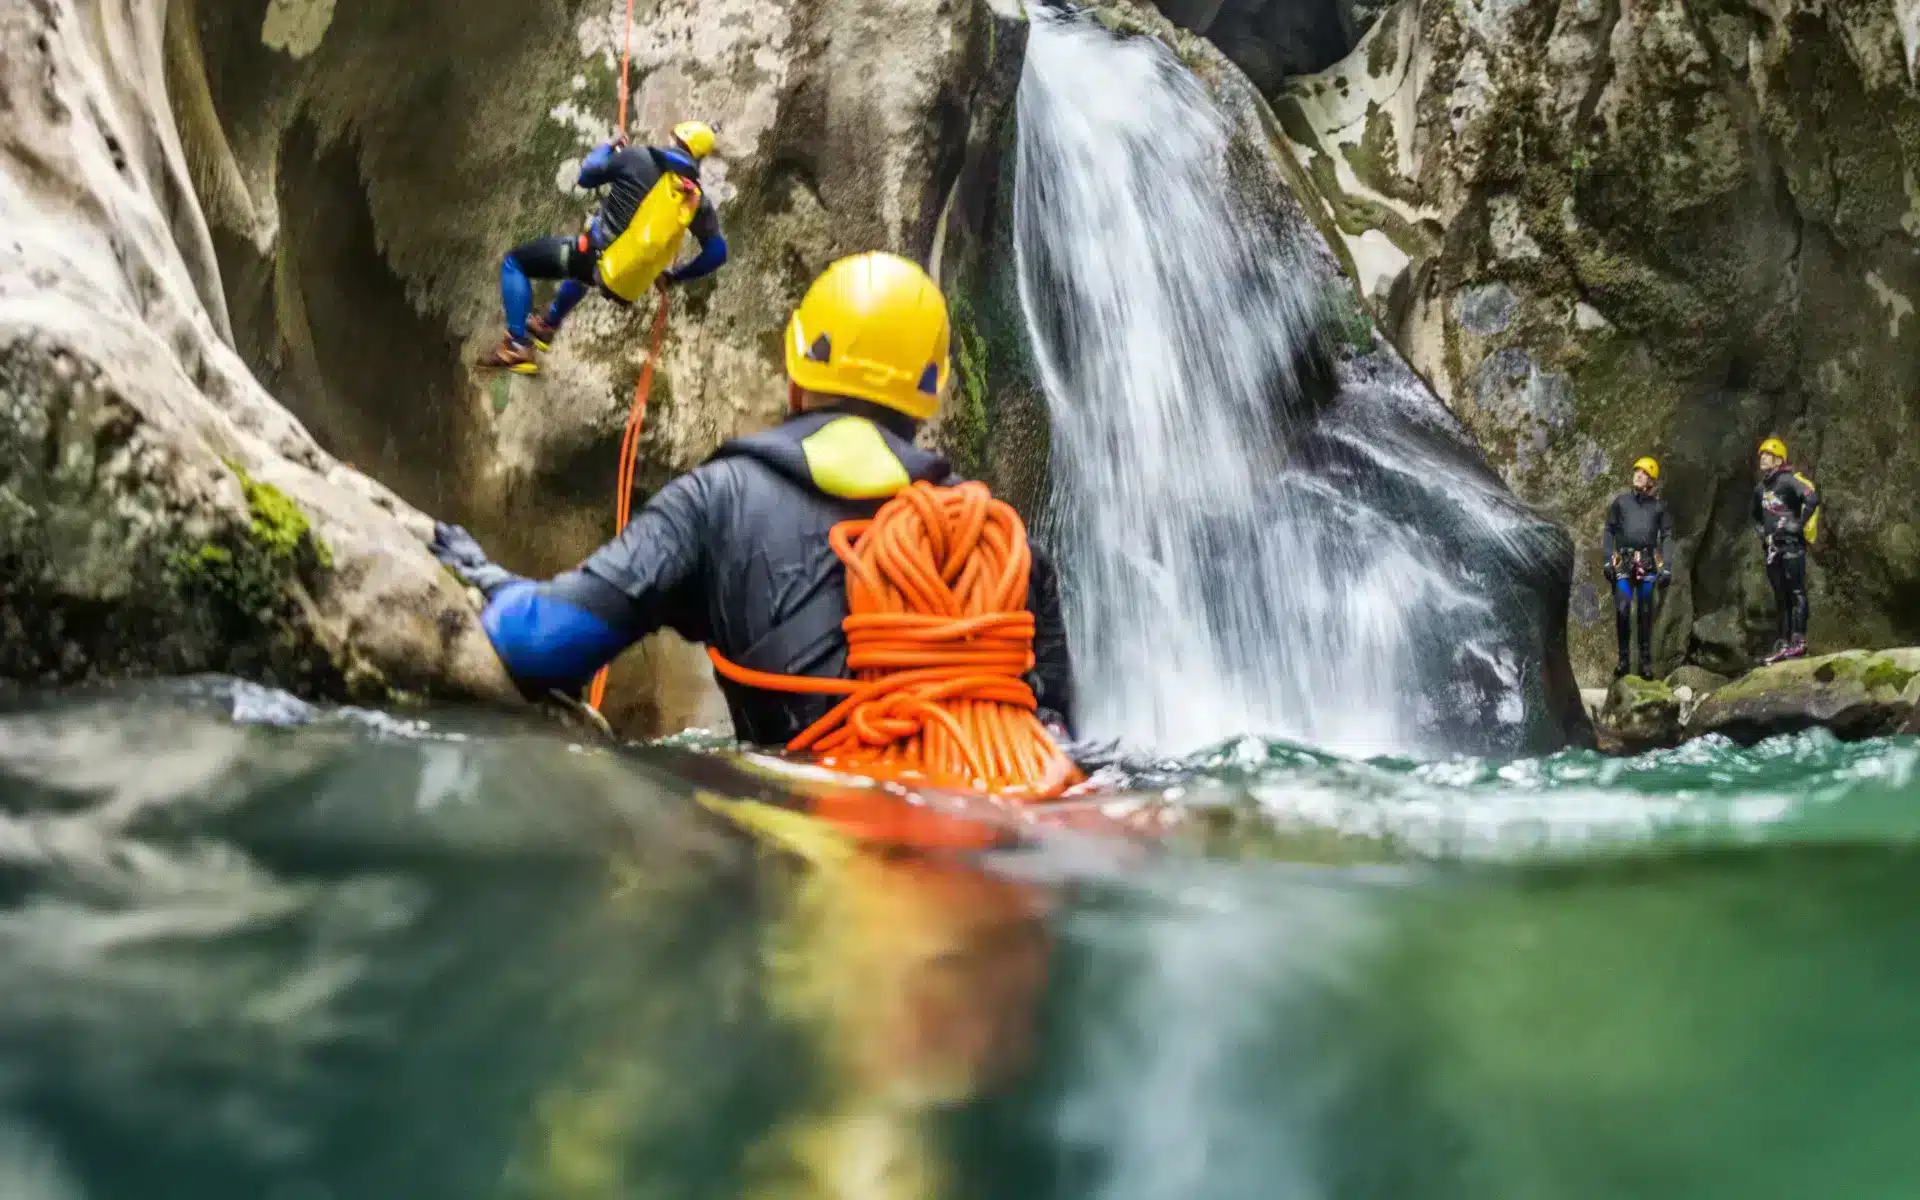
159 512
1697 678
1640 714
1856 694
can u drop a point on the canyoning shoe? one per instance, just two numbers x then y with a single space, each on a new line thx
542 332
1620 669
1774 655
513 356
1796 648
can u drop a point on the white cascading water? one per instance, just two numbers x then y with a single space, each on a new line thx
1212 591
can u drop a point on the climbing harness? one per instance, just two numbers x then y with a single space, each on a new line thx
938 639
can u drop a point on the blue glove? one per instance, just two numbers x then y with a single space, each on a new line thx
459 552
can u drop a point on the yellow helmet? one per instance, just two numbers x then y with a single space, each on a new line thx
873 327
1775 447
1649 465
696 136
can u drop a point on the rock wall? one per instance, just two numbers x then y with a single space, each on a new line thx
1607 229
159 513
365 165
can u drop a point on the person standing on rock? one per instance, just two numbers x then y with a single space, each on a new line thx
1786 515
653 198
735 553
1638 544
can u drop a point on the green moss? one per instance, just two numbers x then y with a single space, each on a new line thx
1384 51
1879 672
280 528
1376 160
1345 318
245 576
1356 214
966 419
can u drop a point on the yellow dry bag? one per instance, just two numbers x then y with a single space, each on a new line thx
651 240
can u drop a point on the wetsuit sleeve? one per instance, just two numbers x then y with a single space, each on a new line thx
1663 532
1809 499
1757 513
713 246
1610 533
596 168
557 634
1053 665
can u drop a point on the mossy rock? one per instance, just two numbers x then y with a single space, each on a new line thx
1855 694
1639 714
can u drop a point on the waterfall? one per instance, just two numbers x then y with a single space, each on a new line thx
1216 587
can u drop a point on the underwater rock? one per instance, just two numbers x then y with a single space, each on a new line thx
1855 694
159 512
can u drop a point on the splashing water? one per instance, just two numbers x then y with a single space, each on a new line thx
257 948
1217 587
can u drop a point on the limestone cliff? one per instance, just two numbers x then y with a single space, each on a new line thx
159 513
1604 230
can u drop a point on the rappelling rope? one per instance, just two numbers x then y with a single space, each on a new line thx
630 455
637 411
938 638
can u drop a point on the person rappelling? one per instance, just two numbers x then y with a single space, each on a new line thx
654 197
738 553
1786 516
1638 548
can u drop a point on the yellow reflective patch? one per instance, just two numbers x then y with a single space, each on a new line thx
848 458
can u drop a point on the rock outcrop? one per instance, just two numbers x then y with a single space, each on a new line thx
365 167
1640 714
1856 694
1605 230
159 512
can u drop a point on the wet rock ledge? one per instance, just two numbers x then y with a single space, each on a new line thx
1855 694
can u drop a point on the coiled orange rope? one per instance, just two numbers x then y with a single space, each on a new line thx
938 637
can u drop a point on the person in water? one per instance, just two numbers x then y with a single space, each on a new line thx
1638 544
1786 515
629 173
735 553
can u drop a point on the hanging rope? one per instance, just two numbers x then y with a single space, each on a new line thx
637 411
630 455
938 638
626 57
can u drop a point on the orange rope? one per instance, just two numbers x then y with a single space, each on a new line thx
629 458
626 57
938 637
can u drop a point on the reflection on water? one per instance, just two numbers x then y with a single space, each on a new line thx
343 955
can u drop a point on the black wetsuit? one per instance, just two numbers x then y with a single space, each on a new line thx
734 554
1786 510
1640 532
